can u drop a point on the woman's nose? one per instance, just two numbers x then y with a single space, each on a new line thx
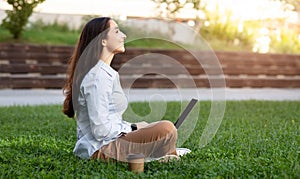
124 36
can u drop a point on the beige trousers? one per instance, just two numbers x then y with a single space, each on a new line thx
155 140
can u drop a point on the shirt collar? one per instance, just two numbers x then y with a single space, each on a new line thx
107 68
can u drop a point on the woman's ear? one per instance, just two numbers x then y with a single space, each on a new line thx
103 42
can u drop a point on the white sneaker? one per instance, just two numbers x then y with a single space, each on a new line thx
168 158
182 151
163 159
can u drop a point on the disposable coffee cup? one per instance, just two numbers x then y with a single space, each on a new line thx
136 162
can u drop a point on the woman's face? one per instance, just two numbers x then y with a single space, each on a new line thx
115 38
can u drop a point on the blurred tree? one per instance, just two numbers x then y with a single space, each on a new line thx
169 9
215 26
17 18
294 3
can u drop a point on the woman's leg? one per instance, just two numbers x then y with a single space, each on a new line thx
155 140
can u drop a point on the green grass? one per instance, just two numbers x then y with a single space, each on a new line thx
60 34
257 139
47 35
56 36
152 43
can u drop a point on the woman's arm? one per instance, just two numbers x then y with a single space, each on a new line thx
103 125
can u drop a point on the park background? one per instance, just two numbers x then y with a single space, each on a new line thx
257 138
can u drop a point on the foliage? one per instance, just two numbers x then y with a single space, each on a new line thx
16 19
55 26
214 27
224 33
294 3
257 139
221 33
170 8
221 27
285 42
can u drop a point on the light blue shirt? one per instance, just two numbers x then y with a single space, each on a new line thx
102 103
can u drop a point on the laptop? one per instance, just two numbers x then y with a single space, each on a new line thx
185 113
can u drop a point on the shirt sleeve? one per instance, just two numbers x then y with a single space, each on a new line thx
103 124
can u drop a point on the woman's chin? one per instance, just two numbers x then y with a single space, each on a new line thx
119 50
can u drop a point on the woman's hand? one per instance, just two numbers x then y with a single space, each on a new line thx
142 124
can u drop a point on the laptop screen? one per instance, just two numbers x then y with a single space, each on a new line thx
185 113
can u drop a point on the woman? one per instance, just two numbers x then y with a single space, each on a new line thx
95 98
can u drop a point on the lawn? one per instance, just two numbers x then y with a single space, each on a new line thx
257 139
45 36
50 35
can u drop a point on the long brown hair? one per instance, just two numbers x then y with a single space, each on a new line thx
90 31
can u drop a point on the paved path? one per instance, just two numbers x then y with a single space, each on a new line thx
39 97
